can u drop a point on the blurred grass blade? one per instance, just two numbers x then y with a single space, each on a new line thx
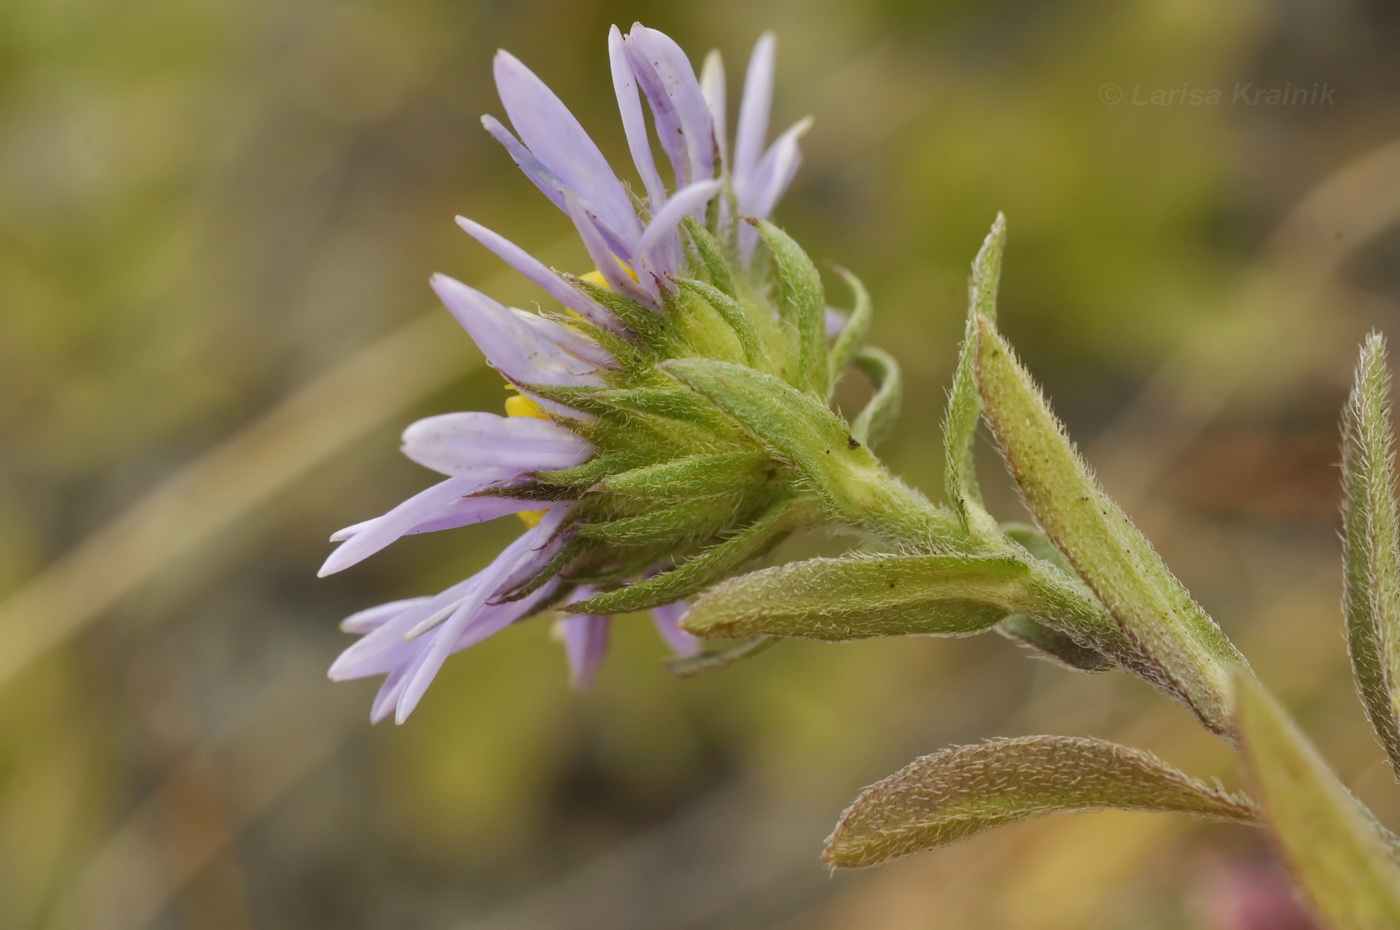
960 792
229 482
1334 847
1371 547
874 421
964 403
864 596
1182 649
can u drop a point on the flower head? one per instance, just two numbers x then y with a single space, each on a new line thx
637 490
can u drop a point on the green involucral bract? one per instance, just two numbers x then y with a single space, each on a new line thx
680 478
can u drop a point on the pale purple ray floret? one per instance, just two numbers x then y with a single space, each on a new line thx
409 640
635 243
586 638
687 114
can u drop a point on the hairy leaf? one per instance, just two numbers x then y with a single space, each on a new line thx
964 403
960 792
1057 646
863 596
1184 652
1371 546
1333 846
686 666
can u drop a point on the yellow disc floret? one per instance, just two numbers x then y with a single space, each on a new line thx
518 405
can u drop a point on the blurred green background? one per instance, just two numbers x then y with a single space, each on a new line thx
217 220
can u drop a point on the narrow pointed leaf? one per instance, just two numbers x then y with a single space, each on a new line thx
804 303
1184 652
852 336
1057 646
964 403
960 792
1333 846
865 596
710 661
1371 546
879 414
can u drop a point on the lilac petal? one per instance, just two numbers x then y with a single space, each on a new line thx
634 124
549 183
343 534
557 139
514 348
678 106
515 611
759 192
835 322
388 694
422 506
494 447
536 270
667 619
384 649
367 621
548 542
585 644
712 86
518 555
465 511
480 509
603 257
754 108
570 340
620 237
658 250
